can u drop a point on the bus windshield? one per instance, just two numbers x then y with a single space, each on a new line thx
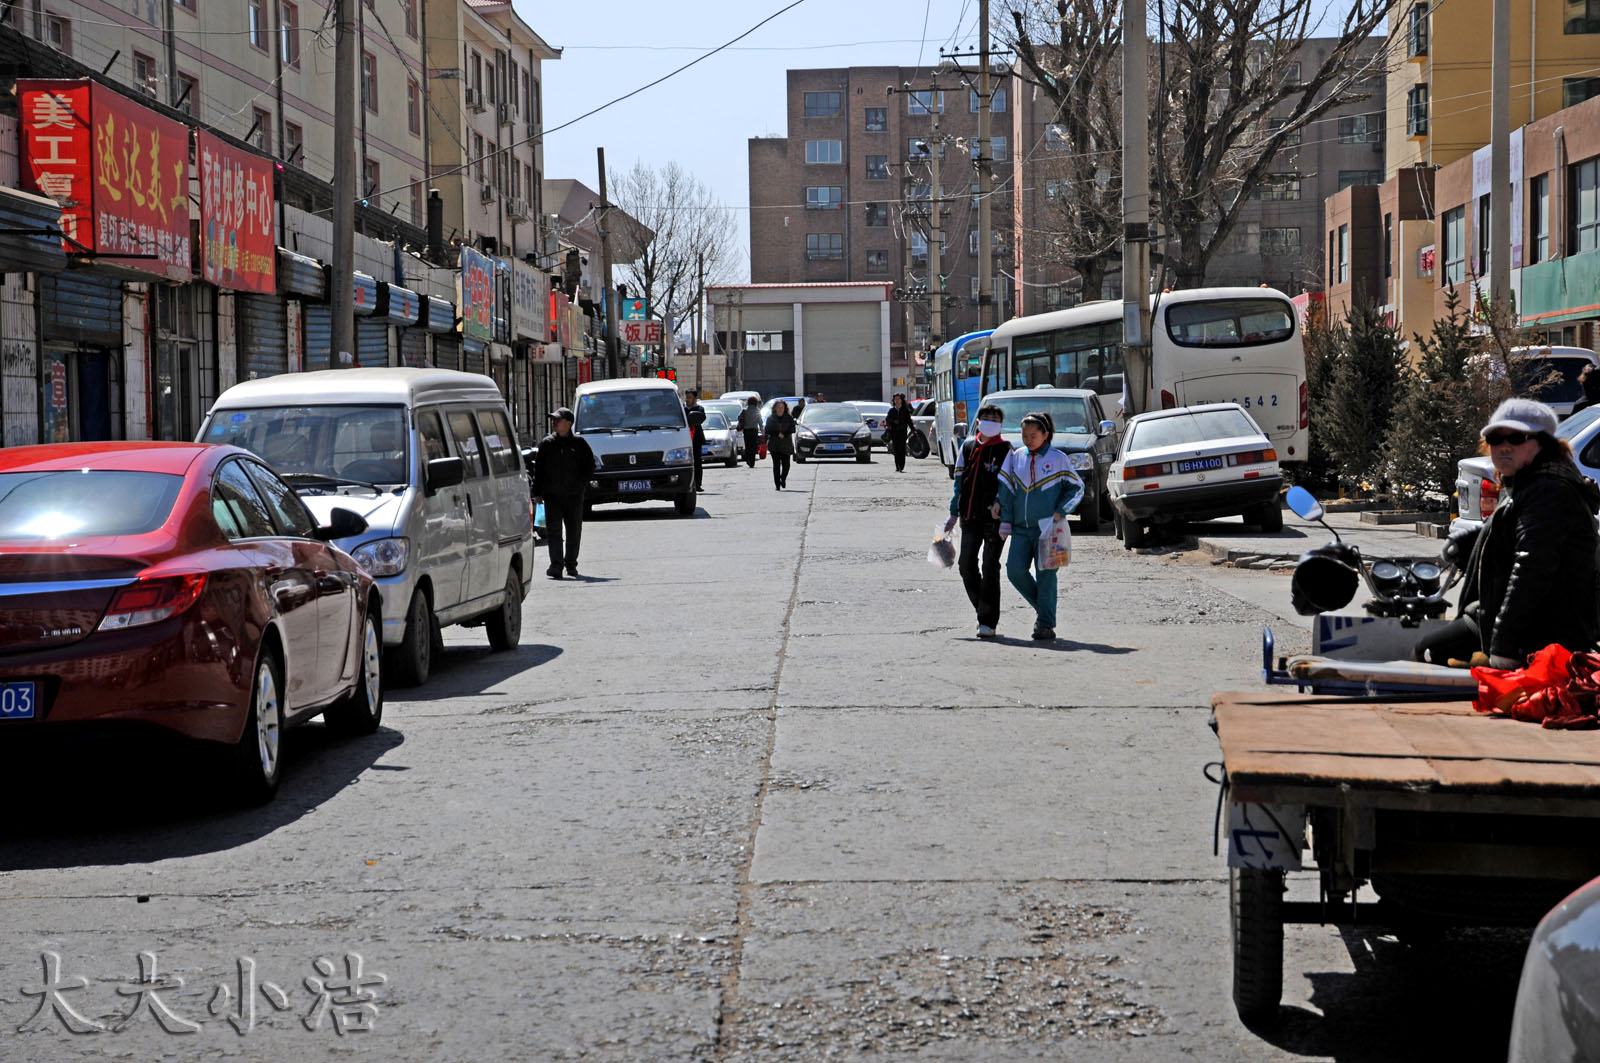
1230 322
1080 356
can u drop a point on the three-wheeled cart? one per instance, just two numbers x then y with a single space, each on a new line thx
1453 817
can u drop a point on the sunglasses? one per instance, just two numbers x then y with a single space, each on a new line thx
1516 439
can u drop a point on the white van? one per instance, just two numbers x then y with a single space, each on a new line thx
429 458
639 433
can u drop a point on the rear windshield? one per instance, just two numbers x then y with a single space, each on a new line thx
715 421
84 502
1200 427
1230 322
1551 378
638 410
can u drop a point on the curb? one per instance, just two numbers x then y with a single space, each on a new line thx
1240 557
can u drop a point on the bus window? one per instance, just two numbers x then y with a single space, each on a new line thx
1230 322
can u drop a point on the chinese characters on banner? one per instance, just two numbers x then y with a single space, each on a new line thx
238 239
120 171
477 295
531 299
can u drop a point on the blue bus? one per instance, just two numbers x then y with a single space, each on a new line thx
956 369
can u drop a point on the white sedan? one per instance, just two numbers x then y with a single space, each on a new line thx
724 442
1194 463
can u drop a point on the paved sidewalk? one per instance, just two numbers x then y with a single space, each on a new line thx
1231 541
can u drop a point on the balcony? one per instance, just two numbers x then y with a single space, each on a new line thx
1562 289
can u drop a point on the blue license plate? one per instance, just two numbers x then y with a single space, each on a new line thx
835 447
635 485
1199 464
17 701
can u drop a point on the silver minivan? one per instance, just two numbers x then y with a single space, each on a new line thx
429 458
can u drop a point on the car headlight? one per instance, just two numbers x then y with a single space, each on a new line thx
863 433
678 457
599 462
383 557
809 433
1081 460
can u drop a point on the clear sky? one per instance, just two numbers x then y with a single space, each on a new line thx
704 116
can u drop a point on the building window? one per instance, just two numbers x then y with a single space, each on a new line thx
919 248
877 262
370 185
187 5
411 17
1054 188
976 195
925 102
1056 139
145 79
823 197
1575 90
877 167
369 81
997 101
1360 128
289 33
1282 240
1417 111
1290 139
260 128
189 93
58 31
413 106
1351 178
1278 186
972 242
1583 16
1417 31
1388 246
822 104
877 214
256 15
293 144
823 152
922 147
919 191
1453 244
477 155
1344 254
877 119
1586 206
999 151
824 245
1539 218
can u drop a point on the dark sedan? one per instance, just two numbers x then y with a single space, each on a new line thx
832 430
181 589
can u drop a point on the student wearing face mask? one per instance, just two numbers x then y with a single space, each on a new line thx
975 504
1036 484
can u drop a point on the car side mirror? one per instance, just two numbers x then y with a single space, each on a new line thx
1304 505
342 524
444 472
1106 428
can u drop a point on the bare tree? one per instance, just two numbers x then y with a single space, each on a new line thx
1238 83
689 226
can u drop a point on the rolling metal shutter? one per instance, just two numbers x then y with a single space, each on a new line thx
447 352
414 347
263 336
319 337
82 308
372 341
475 352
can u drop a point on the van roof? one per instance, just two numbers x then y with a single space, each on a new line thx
632 383
338 387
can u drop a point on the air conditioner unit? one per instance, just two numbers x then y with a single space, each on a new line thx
486 193
475 99
516 208
503 111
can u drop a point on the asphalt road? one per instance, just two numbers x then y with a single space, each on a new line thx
749 790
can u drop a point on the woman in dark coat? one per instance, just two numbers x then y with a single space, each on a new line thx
780 443
1530 581
897 429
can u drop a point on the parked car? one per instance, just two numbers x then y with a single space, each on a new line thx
832 430
766 407
1557 1013
923 416
183 589
1478 492
429 459
1082 433
1550 374
1194 463
729 409
875 414
639 433
724 442
741 397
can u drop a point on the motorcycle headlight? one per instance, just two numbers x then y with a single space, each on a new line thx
383 557
863 433
1081 460
678 457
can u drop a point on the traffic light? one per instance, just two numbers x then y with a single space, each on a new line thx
668 373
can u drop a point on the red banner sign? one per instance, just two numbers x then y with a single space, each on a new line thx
237 237
120 172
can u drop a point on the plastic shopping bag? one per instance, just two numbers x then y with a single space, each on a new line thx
1055 543
942 552
538 515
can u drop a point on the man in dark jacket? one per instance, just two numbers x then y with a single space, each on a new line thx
561 476
750 425
975 503
697 431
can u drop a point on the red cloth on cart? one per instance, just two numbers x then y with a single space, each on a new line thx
1557 689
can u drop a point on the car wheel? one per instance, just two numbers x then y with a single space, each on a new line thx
1269 515
1255 900
412 660
800 459
362 711
684 504
505 623
1133 533
258 755
1089 511
864 458
731 462
918 446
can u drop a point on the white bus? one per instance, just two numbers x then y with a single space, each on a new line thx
1238 345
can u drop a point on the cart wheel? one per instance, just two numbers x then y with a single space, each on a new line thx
1255 901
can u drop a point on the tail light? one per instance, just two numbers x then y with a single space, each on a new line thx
1305 406
150 600
1253 457
1488 497
1144 472
533 515
1169 401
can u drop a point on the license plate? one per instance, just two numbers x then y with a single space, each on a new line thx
705 450
635 485
836 446
17 701
1199 464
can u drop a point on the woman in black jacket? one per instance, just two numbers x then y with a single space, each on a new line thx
896 429
1530 581
780 443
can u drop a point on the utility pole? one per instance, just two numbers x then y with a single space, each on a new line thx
612 369
935 258
342 297
986 312
1500 160
1135 211
700 290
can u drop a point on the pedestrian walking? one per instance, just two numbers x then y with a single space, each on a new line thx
897 429
750 425
975 502
560 478
780 443
799 408
1036 484
697 431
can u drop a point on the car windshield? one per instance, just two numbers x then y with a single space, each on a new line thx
715 421
1549 378
1069 414
342 444
831 415
1577 422
84 502
629 410
1196 427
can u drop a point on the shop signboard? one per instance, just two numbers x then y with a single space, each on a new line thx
641 332
120 172
237 236
531 299
477 295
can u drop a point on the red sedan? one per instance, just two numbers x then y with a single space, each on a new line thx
183 588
